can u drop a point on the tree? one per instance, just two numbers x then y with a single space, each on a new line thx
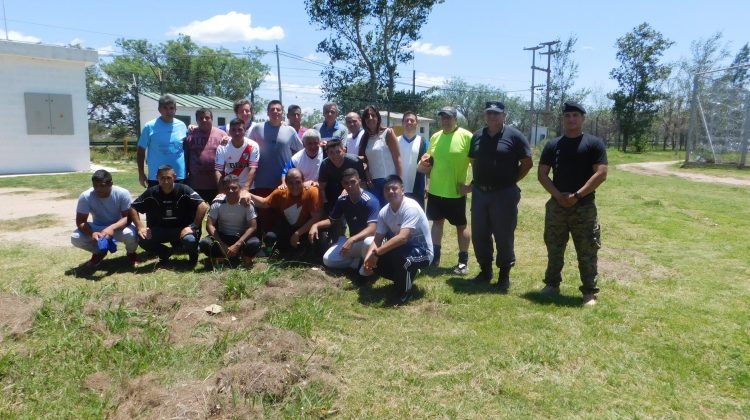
177 66
564 74
639 76
469 100
742 73
369 39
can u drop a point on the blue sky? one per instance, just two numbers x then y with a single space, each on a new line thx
479 41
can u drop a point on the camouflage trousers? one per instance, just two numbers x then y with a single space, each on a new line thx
581 223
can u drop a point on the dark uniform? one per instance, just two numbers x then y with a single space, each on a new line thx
495 195
572 160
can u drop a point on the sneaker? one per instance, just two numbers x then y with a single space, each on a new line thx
193 258
164 255
405 296
95 260
461 269
132 259
550 290
589 299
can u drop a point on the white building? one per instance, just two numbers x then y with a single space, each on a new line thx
43 108
423 124
222 110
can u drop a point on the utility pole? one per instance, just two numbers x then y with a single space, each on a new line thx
533 67
278 70
5 19
549 54
413 82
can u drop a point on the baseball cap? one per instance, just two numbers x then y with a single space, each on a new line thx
573 107
449 110
494 106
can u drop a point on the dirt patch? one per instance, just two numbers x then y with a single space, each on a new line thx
17 315
667 169
310 282
52 204
631 266
146 397
98 382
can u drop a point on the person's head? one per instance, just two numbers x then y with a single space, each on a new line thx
101 180
311 142
243 109
409 121
350 182
294 115
294 181
335 151
448 116
204 117
232 188
275 111
574 115
167 107
330 112
494 115
237 128
353 123
371 119
166 177
393 189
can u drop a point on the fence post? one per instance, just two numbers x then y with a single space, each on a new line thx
693 118
745 133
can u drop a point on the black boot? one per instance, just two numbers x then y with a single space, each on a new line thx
484 276
503 280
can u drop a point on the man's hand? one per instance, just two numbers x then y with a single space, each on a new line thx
371 261
234 249
294 240
347 247
187 230
464 189
95 236
245 198
144 233
225 140
191 127
143 180
312 234
282 186
566 199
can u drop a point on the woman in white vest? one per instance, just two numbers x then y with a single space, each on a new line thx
379 148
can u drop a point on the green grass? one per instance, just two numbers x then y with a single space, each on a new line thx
669 337
718 170
40 221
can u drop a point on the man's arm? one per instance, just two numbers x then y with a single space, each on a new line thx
139 226
562 198
313 232
211 228
250 178
599 176
379 248
395 152
82 223
524 166
261 202
200 213
140 158
218 176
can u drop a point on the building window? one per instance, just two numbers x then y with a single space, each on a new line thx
183 118
421 130
222 121
48 113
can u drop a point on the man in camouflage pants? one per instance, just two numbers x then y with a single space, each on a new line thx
579 165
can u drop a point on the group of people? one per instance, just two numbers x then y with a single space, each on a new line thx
280 186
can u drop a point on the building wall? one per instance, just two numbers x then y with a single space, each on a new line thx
149 109
24 153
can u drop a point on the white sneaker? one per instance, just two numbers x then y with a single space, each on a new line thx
589 299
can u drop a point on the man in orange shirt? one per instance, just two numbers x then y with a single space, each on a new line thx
300 207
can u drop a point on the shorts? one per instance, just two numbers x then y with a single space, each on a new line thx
452 209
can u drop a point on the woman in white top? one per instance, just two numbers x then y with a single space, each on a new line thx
380 149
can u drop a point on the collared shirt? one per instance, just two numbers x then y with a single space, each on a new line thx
357 214
496 157
337 132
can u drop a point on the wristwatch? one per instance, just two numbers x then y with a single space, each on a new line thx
375 252
577 195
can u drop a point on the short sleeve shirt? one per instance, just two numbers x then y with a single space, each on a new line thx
572 161
174 210
496 157
296 210
450 153
331 175
410 215
237 160
163 144
277 145
104 211
201 150
337 132
357 214
231 219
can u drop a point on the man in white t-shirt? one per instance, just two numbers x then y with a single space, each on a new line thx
238 157
412 146
108 206
354 124
409 245
306 160
230 226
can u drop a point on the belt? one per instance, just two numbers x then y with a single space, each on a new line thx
487 188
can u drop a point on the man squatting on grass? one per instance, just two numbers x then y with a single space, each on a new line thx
579 165
108 206
409 244
230 226
174 214
360 209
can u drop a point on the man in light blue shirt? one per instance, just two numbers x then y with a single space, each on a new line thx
162 138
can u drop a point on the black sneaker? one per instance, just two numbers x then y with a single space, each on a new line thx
405 296
193 258
484 277
503 282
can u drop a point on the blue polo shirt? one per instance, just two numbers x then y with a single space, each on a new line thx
358 214
163 144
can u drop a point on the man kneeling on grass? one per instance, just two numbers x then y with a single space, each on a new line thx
360 208
174 214
409 244
230 226
108 206
299 207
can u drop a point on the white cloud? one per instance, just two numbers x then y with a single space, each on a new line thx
17 36
313 57
230 27
424 79
429 49
106 50
76 41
